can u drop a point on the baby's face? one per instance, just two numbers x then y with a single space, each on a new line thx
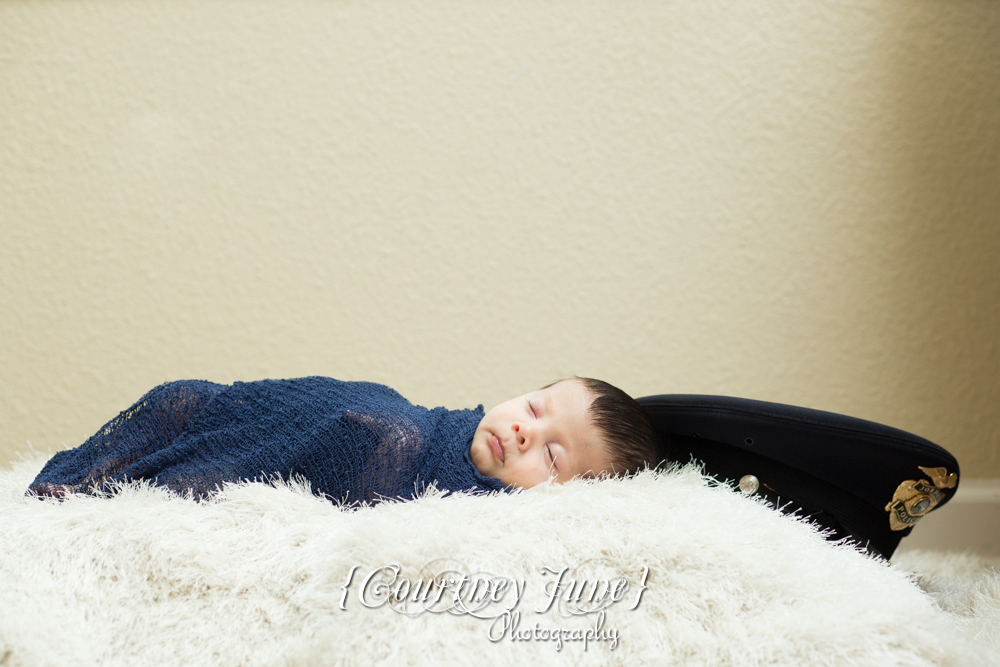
523 441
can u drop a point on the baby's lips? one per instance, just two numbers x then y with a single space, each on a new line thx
497 448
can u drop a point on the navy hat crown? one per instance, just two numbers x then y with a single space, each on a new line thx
859 479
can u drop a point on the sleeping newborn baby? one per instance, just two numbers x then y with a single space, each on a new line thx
354 442
579 427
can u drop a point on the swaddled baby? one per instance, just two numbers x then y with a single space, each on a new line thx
354 442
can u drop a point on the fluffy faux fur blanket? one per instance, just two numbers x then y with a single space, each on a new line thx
672 569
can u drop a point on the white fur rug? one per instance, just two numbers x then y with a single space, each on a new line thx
256 578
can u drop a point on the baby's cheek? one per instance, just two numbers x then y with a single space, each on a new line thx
540 474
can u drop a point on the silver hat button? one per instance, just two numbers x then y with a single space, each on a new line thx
749 484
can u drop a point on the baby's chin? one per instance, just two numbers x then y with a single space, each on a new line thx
480 455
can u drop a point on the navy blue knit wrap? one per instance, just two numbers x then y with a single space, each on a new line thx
354 442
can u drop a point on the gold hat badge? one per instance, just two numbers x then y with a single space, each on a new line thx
915 498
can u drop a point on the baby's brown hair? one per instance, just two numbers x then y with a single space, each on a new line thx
626 429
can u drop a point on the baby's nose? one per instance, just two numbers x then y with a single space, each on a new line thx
522 433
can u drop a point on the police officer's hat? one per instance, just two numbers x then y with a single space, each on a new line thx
862 480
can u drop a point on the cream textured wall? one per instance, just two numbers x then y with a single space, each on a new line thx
797 202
